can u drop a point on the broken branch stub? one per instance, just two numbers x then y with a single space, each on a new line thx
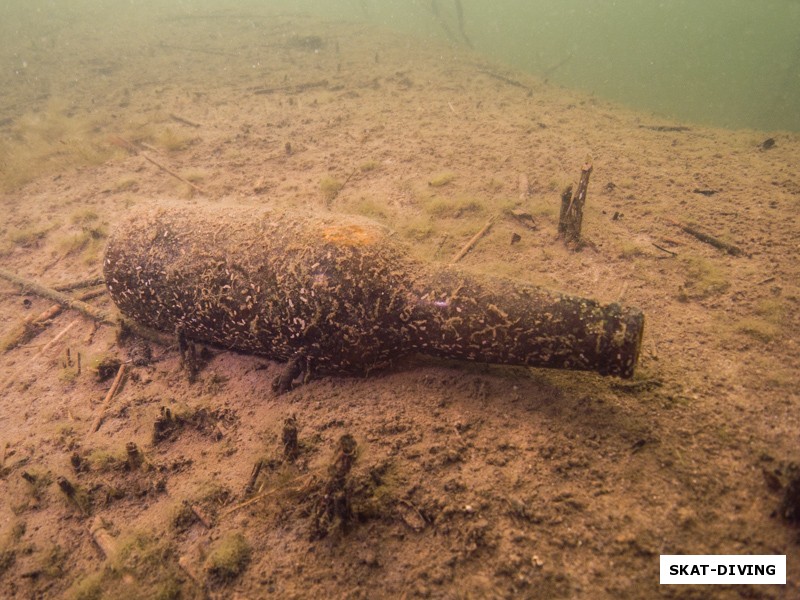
570 219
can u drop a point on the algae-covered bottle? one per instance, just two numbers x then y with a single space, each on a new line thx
346 296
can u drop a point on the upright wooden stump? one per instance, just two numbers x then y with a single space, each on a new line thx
570 219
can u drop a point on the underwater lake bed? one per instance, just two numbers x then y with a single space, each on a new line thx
433 478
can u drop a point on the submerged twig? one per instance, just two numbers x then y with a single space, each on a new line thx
308 477
505 79
175 175
552 69
55 340
104 540
468 246
183 121
346 181
198 512
29 328
83 283
664 249
710 239
133 149
251 483
665 127
92 294
46 347
198 50
295 89
107 401
151 335
56 296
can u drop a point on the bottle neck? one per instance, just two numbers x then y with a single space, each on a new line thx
486 319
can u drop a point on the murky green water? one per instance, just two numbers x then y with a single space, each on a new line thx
734 63
731 63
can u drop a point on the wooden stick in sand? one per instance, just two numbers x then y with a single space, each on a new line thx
32 325
46 347
83 283
104 540
468 246
63 299
201 515
107 402
306 479
175 175
709 239
29 328
180 119
133 149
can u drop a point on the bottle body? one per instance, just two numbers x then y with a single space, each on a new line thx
344 294
263 282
